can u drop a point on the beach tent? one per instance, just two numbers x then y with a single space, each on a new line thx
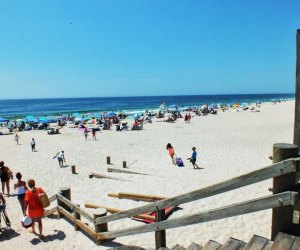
3 119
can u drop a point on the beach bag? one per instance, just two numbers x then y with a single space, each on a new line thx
26 222
45 202
179 162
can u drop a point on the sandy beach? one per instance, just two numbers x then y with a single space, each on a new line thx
228 144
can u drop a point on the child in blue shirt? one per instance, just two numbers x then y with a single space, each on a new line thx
193 158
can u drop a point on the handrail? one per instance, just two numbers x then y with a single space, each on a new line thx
274 170
271 201
52 198
75 207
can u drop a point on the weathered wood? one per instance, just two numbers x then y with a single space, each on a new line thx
256 242
77 216
124 164
108 160
282 218
100 212
50 211
123 171
137 197
277 169
232 244
66 193
116 210
83 227
277 200
297 101
73 206
283 241
102 176
194 246
52 198
212 245
296 244
160 236
268 245
243 246
177 247
73 168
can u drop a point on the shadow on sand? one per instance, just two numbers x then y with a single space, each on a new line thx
8 234
58 235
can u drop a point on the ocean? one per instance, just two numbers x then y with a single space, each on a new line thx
40 107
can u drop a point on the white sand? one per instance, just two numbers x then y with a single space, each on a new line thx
228 144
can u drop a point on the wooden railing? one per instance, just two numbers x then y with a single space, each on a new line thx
285 174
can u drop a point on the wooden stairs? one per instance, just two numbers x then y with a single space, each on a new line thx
281 242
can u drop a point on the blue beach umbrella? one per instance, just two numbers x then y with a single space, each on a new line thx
3 119
110 114
30 118
173 107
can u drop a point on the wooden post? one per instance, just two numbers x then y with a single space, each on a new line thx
160 236
297 102
76 216
73 167
124 164
282 217
108 160
100 212
65 192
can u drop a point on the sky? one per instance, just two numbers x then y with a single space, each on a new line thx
94 48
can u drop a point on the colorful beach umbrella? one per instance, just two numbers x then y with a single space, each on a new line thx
3 119
110 114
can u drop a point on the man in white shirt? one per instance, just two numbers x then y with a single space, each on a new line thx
61 158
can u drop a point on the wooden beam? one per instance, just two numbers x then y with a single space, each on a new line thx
50 211
79 223
277 169
52 198
116 210
297 101
137 197
102 176
282 217
277 200
123 171
73 206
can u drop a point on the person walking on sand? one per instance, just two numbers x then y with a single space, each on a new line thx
94 134
21 190
189 117
5 176
34 207
32 143
171 152
193 158
17 138
86 133
61 158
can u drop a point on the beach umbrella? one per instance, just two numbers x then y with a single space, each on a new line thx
30 118
76 115
110 114
3 119
173 107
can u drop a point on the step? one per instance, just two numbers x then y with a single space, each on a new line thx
212 245
233 244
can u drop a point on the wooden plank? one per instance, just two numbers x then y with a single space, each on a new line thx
277 169
52 198
283 242
297 101
268 245
283 199
79 223
102 176
212 245
178 247
232 244
75 207
137 197
282 217
194 246
123 171
50 211
116 210
256 243
296 244
243 246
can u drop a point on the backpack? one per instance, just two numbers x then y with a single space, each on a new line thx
179 162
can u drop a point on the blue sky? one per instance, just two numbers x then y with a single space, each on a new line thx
146 47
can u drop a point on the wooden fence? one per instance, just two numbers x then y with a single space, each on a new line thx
284 202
